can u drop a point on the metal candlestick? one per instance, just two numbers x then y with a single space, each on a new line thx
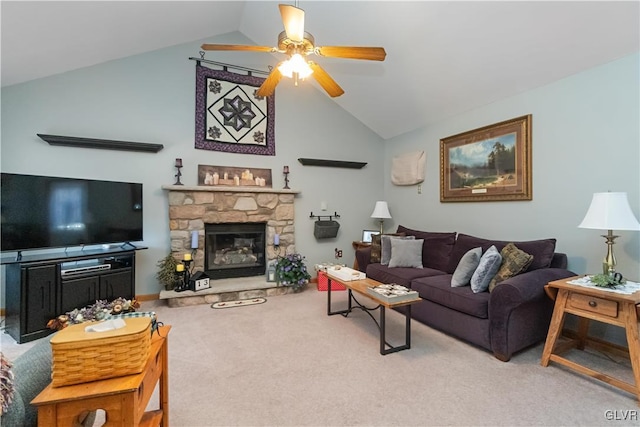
285 171
178 166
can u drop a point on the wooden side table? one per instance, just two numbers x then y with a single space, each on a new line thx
593 304
124 399
358 245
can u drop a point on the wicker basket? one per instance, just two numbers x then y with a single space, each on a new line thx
80 357
326 229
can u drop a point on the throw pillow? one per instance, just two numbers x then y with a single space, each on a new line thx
488 267
436 249
406 253
376 247
466 267
385 244
514 261
542 250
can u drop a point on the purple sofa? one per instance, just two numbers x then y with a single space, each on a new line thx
514 316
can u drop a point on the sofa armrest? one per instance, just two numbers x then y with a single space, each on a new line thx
559 260
363 256
523 289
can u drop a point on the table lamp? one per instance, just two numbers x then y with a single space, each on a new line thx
610 211
381 212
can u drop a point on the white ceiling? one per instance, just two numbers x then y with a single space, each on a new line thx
443 58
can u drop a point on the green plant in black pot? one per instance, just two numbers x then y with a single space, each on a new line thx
166 274
292 271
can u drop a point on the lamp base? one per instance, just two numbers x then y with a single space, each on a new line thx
609 262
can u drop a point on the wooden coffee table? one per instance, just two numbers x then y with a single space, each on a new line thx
360 286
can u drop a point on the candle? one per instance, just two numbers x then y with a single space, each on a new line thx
276 240
285 169
187 257
236 180
216 178
180 267
194 239
178 163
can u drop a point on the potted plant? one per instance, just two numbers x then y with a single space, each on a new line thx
166 274
292 271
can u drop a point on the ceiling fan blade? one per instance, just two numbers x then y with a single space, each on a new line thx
325 80
353 52
237 47
293 20
270 83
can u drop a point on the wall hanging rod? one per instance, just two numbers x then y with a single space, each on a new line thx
225 66
335 215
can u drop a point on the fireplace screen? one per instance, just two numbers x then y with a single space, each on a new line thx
234 250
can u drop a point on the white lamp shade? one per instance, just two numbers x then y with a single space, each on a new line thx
381 210
610 211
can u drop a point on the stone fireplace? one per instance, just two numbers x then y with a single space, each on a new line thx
205 209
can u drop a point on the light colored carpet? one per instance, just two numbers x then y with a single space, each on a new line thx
286 363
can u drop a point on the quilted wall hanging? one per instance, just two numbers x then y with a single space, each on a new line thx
230 116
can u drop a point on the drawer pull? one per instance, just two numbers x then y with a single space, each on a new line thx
592 303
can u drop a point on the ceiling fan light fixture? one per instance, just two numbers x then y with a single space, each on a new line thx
295 64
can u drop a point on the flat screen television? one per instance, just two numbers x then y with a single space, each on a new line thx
39 212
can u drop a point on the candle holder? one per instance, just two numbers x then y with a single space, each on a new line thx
184 274
285 171
178 174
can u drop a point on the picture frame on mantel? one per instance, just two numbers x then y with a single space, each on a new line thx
491 163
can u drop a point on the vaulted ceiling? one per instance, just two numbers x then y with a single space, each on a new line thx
443 58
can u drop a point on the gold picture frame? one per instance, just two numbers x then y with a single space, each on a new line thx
491 163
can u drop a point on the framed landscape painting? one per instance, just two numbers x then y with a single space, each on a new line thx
492 163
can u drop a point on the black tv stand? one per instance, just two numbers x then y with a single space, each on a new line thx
125 244
39 287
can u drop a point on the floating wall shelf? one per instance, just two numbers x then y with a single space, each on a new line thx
332 163
105 144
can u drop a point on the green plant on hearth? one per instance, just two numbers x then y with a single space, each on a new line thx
292 271
166 274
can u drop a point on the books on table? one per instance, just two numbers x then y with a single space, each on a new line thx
393 293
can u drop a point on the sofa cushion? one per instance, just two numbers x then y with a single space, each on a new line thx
467 265
376 246
514 261
542 250
400 275
385 247
438 289
406 253
436 248
488 267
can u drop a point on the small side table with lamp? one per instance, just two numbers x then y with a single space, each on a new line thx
580 297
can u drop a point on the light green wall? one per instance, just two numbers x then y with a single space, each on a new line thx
586 139
150 98
578 123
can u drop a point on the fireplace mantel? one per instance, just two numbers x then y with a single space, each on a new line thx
228 189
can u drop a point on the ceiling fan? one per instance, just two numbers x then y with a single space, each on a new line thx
297 44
